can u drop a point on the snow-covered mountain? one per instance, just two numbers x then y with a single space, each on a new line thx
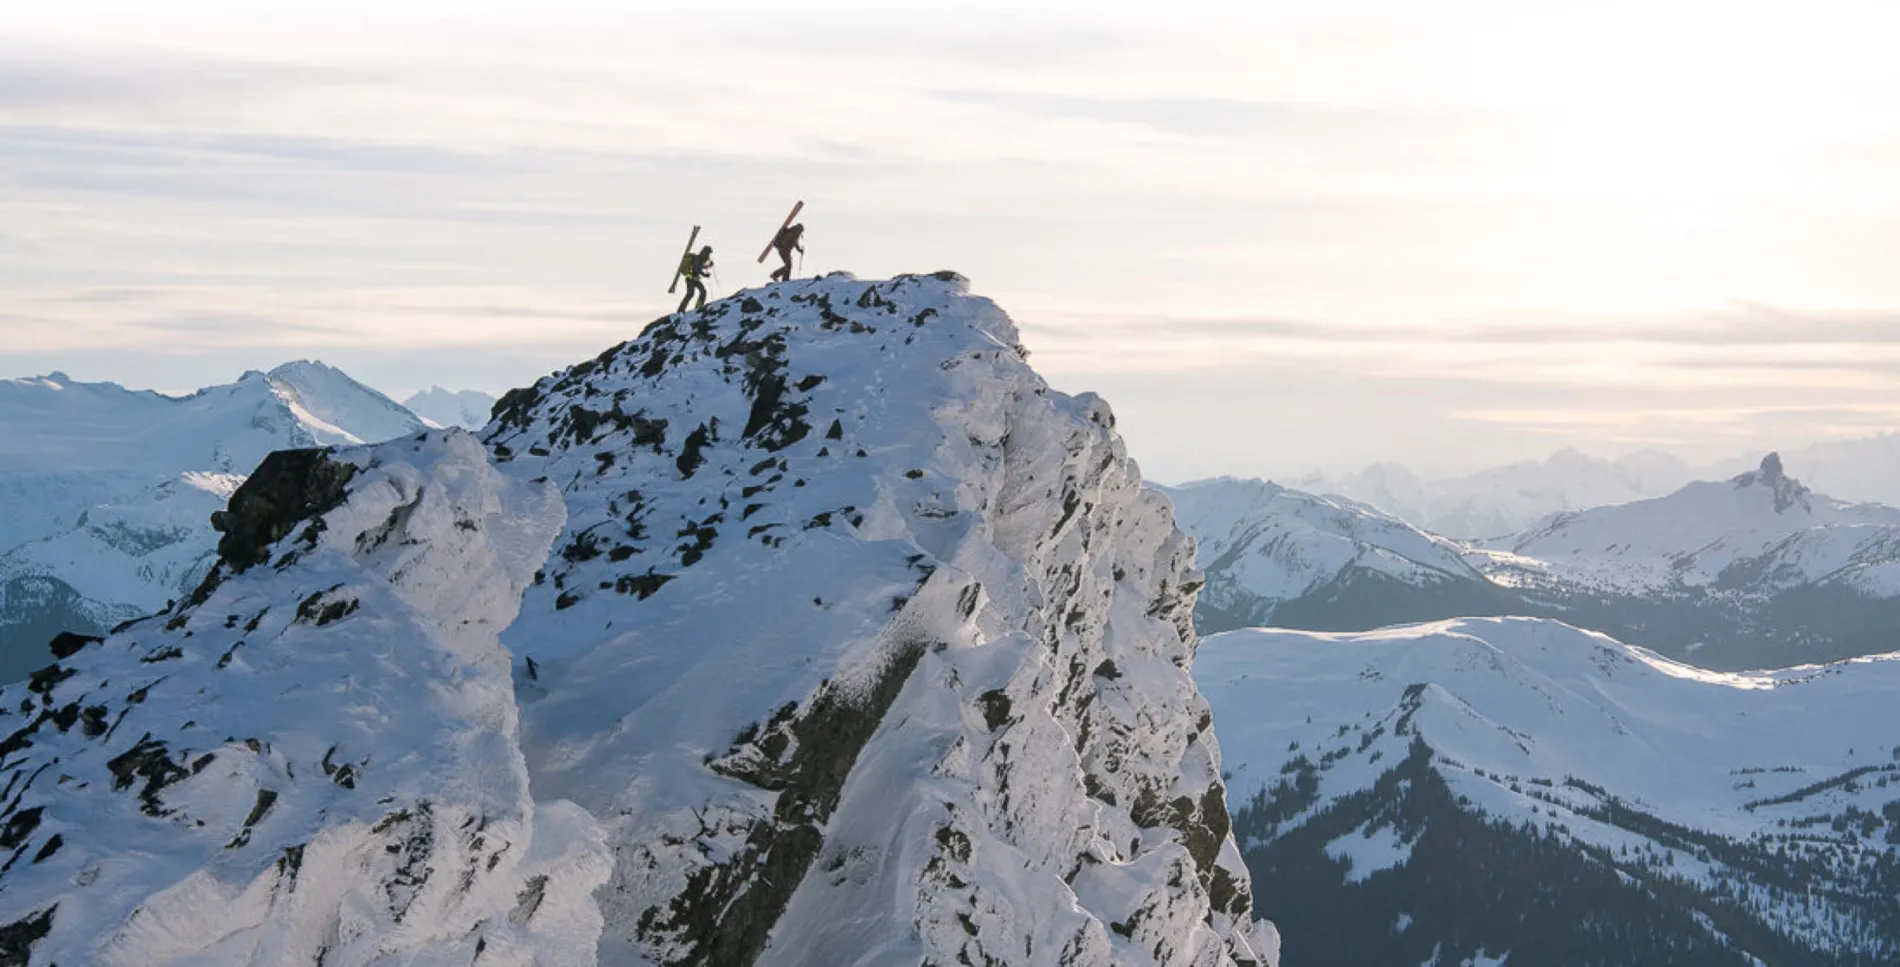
1753 572
858 645
1757 571
1491 789
106 493
1763 530
1282 557
1508 499
1864 469
464 408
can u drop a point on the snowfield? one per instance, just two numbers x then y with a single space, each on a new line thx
857 645
1669 773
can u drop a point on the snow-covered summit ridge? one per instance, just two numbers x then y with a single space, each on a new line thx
865 646
858 645
315 759
337 409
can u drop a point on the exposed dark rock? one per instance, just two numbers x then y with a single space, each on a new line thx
67 644
726 911
17 938
288 488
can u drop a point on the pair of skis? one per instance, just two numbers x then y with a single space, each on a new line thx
781 230
690 239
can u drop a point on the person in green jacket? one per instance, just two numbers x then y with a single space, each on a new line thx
694 268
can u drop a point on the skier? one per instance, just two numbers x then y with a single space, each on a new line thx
693 268
790 237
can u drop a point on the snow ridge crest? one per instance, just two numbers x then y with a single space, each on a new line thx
865 644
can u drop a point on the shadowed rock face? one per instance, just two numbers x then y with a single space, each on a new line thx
288 488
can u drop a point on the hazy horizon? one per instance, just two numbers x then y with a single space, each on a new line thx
1310 237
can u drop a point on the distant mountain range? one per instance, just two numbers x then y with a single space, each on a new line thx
1756 571
465 408
1508 499
1282 557
106 493
1493 790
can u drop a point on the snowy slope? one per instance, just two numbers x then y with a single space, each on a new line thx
314 760
1757 807
1507 499
1279 556
106 493
1759 532
866 647
465 408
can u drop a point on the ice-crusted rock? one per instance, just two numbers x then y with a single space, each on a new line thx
315 761
866 647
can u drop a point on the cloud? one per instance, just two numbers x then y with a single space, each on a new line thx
52 80
1308 126
1745 325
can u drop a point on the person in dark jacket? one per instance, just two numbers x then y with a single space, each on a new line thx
694 268
790 237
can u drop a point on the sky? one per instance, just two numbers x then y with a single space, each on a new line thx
1277 237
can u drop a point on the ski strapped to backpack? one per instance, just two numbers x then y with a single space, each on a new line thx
781 230
681 269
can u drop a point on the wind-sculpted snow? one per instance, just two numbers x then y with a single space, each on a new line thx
314 760
866 647
1490 780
